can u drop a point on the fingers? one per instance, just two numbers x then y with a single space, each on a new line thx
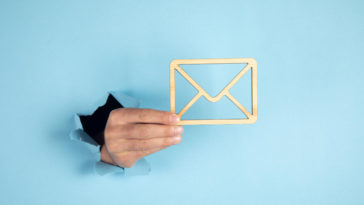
131 134
122 145
136 115
142 131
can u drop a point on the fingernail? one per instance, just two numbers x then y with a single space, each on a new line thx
176 139
174 118
178 130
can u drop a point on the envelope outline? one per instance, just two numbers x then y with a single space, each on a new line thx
250 64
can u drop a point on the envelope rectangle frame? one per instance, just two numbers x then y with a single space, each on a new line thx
250 64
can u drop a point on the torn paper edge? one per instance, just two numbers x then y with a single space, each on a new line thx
141 167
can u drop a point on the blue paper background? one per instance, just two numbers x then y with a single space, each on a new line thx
58 57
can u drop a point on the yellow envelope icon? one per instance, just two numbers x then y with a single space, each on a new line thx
250 64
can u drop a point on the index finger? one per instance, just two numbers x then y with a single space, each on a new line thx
137 115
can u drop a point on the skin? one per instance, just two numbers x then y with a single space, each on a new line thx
132 133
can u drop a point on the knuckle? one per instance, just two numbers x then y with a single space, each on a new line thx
143 116
165 117
113 114
116 131
123 113
109 131
126 130
120 114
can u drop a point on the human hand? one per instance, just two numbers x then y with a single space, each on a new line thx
133 133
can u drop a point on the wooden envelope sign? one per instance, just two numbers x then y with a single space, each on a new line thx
250 64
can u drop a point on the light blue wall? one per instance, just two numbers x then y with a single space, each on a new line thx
57 57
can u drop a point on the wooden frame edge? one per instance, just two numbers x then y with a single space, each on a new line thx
254 81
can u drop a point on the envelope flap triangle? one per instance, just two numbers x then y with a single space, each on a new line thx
223 91
212 78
